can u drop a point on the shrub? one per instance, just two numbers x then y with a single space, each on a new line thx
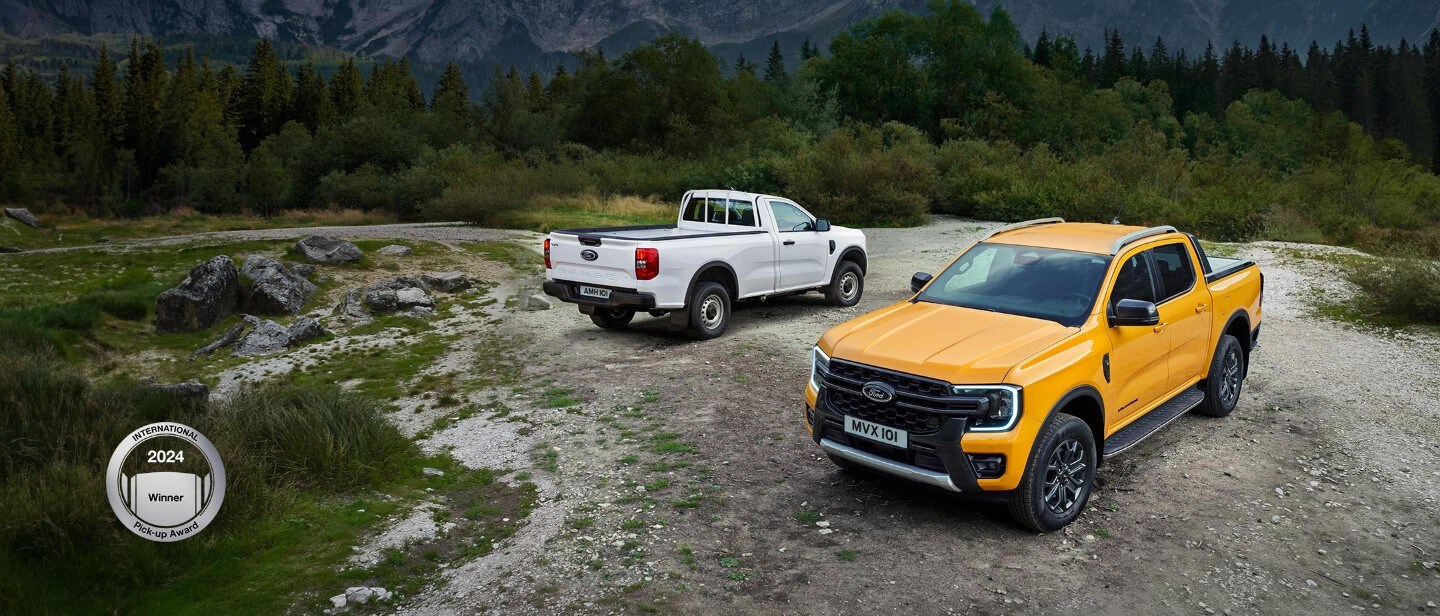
1404 288
863 175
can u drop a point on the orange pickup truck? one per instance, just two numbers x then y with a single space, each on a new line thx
1034 355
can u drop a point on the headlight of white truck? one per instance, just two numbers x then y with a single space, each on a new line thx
1004 409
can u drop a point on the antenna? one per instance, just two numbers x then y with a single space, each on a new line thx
1118 211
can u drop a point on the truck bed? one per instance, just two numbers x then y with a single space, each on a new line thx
650 233
1221 267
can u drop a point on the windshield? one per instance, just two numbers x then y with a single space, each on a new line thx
1044 283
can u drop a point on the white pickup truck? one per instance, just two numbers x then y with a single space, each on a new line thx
727 246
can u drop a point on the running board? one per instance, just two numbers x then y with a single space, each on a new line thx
1152 422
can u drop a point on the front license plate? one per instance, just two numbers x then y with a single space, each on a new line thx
876 432
595 292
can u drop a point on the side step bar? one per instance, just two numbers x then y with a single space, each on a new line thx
1152 422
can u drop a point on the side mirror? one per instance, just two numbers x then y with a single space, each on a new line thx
1134 312
919 280
822 225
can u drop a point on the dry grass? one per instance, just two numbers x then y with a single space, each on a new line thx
593 210
69 228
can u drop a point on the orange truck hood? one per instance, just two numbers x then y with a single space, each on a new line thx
950 343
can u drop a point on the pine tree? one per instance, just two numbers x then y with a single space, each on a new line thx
265 95
310 104
1161 64
347 90
1208 93
107 95
1041 55
775 66
1432 89
807 50
143 104
452 95
744 67
1112 63
1137 67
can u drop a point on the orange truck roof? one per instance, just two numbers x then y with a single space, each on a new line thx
1077 236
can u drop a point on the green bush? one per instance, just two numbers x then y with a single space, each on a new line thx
864 175
1404 288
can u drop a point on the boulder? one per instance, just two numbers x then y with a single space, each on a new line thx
386 296
189 390
381 300
274 289
395 250
448 282
210 293
305 328
321 249
352 306
413 297
24 216
528 302
304 270
267 338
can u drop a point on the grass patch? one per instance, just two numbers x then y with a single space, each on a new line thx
1397 291
807 517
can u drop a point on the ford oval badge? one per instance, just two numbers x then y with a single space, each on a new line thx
589 255
877 391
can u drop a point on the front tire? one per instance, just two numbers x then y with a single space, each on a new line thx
709 311
847 286
1227 374
1059 476
613 319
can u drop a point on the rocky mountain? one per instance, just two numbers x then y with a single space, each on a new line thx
507 30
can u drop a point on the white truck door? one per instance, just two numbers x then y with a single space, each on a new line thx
802 251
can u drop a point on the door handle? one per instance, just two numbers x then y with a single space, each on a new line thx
1201 308
1161 327
789 242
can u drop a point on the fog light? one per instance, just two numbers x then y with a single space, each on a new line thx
988 466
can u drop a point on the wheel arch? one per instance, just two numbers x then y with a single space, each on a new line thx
1238 325
1085 402
717 271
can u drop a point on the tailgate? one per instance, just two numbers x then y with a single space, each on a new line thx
601 261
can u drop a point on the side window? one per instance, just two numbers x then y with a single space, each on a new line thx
1176 274
695 210
1134 281
790 218
742 213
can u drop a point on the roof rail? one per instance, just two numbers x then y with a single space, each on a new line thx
1022 225
1138 235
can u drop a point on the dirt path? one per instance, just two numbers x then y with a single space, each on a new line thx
443 232
1317 495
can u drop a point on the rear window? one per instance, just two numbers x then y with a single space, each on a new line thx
720 211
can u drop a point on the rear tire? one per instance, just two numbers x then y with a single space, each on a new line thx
613 319
1059 476
1227 374
709 311
847 286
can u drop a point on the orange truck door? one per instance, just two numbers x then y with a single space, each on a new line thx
1185 310
1138 354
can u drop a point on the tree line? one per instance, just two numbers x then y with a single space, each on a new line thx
902 115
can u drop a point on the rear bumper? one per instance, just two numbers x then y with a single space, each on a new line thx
619 298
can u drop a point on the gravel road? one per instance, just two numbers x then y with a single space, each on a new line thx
1317 495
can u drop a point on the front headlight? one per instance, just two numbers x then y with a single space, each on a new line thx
819 365
1004 409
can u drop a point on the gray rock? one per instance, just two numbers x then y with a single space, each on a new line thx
274 289
412 297
305 328
189 390
420 312
210 293
363 594
321 249
448 282
381 300
305 270
352 306
432 472
24 216
227 339
267 338
532 302
395 250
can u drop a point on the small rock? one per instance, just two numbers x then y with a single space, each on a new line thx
420 312
1274 519
305 328
529 302
268 337
1311 583
448 282
188 390
24 216
823 523
826 531
1321 551
395 250
1430 604
432 472
332 250
338 600
408 298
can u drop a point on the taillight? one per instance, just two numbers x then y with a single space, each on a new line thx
647 263
547 253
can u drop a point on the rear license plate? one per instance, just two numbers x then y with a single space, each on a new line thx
876 432
594 292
